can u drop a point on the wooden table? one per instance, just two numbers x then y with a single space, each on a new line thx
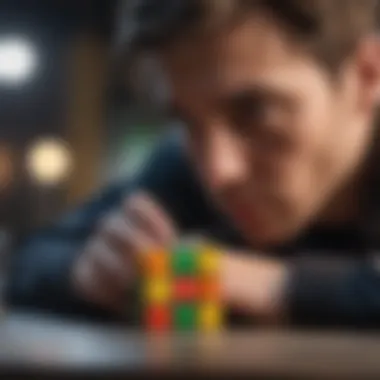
50 349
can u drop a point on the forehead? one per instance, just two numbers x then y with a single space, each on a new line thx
255 51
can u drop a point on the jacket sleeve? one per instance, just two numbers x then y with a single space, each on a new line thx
335 293
40 267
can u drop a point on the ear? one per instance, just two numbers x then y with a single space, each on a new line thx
368 65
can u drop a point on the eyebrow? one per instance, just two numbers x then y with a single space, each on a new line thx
252 91
248 90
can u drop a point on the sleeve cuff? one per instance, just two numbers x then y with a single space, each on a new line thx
324 292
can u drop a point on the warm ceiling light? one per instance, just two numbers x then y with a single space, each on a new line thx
49 161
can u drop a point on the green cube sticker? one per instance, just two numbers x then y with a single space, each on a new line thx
185 317
184 261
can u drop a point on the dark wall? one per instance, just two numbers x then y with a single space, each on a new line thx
39 108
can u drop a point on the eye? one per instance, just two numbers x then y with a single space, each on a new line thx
249 110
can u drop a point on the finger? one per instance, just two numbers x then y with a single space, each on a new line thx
122 236
146 214
112 268
87 285
103 276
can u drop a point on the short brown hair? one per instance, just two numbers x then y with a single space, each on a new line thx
330 28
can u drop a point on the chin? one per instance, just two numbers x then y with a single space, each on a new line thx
273 237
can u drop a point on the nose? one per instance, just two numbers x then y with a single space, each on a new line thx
226 163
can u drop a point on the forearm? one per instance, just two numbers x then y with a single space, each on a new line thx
308 292
342 293
40 267
39 280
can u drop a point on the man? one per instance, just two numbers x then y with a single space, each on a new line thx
277 161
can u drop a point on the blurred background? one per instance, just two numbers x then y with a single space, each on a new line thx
67 123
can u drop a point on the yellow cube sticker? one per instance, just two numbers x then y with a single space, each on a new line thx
209 259
157 291
210 317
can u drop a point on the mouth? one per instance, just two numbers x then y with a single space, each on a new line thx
246 216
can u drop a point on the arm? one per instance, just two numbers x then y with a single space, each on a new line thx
341 293
40 269
305 292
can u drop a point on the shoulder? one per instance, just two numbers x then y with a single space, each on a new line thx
168 159
169 176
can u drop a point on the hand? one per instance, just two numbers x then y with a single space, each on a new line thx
107 267
254 286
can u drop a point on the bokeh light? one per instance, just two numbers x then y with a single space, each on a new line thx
18 60
49 161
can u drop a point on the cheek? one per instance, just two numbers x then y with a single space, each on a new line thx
307 163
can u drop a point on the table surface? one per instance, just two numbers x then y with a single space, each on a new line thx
48 347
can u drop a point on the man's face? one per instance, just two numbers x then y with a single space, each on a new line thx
269 132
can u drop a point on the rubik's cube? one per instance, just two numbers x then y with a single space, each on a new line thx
181 289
